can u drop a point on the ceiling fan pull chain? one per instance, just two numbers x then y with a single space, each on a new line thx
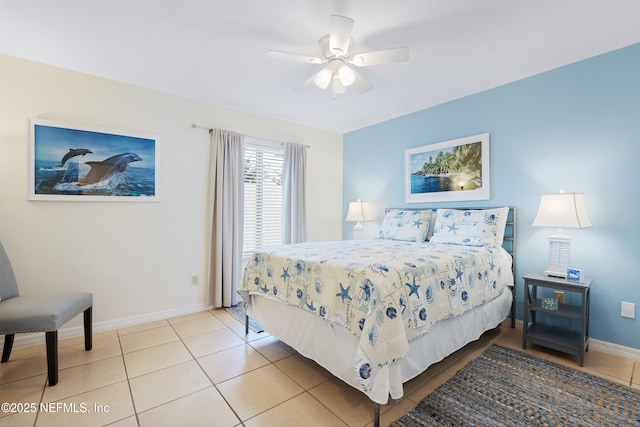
335 101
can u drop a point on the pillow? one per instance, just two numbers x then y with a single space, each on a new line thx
409 225
470 227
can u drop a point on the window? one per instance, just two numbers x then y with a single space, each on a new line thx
262 195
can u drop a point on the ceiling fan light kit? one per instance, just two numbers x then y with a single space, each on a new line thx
336 49
346 74
337 87
323 78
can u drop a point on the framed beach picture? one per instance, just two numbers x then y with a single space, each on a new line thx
448 171
71 162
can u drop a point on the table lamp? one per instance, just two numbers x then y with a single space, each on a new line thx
562 210
358 211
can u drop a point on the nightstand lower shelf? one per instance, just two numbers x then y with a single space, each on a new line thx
556 338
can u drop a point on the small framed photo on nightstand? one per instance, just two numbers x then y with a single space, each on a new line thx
575 275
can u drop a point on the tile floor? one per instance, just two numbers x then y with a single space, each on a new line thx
200 369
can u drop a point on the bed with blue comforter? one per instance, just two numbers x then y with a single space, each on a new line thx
383 294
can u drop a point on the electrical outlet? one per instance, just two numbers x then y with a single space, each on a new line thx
559 295
195 280
628 309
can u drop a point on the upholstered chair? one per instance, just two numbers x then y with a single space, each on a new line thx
39 313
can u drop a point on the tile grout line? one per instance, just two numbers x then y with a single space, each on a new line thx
248 342
304 390
272 363
46 379
213 384
126 373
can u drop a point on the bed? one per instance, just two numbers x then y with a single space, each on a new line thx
378 312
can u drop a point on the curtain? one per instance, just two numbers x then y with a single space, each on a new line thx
294 195
226 176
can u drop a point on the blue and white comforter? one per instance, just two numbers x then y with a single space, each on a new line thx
386 292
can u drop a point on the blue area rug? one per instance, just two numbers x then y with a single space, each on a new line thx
504 387
238 312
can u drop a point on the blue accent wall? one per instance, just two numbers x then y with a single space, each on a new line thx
575 128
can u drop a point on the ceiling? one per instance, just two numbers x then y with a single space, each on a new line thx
214 50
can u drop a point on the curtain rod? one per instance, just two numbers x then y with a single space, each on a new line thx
194 125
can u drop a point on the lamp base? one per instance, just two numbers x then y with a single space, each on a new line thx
558 274
559 252
358 231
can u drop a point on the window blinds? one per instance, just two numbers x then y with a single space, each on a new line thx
262 197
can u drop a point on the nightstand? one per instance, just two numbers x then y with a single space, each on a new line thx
555 337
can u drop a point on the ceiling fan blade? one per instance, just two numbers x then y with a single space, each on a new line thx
340 34
307 84
321 79
360 84
276 54
386 56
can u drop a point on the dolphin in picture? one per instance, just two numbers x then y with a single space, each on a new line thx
109 167
74 152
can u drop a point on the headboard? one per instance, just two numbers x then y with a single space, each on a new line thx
508 243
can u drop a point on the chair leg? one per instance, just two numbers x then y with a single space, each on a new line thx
88 329
52 357
8 345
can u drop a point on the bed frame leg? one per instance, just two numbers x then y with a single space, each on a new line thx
513 307
376 415
246 324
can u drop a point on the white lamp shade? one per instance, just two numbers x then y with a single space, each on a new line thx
346 75
323 78
336 86
562 210
359 211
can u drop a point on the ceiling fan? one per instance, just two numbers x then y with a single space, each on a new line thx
336 48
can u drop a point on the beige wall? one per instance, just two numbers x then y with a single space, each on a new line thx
137 258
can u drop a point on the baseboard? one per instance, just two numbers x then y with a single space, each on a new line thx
24 340
598 345
614 349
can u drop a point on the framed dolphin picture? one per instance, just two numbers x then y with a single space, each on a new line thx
86 163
